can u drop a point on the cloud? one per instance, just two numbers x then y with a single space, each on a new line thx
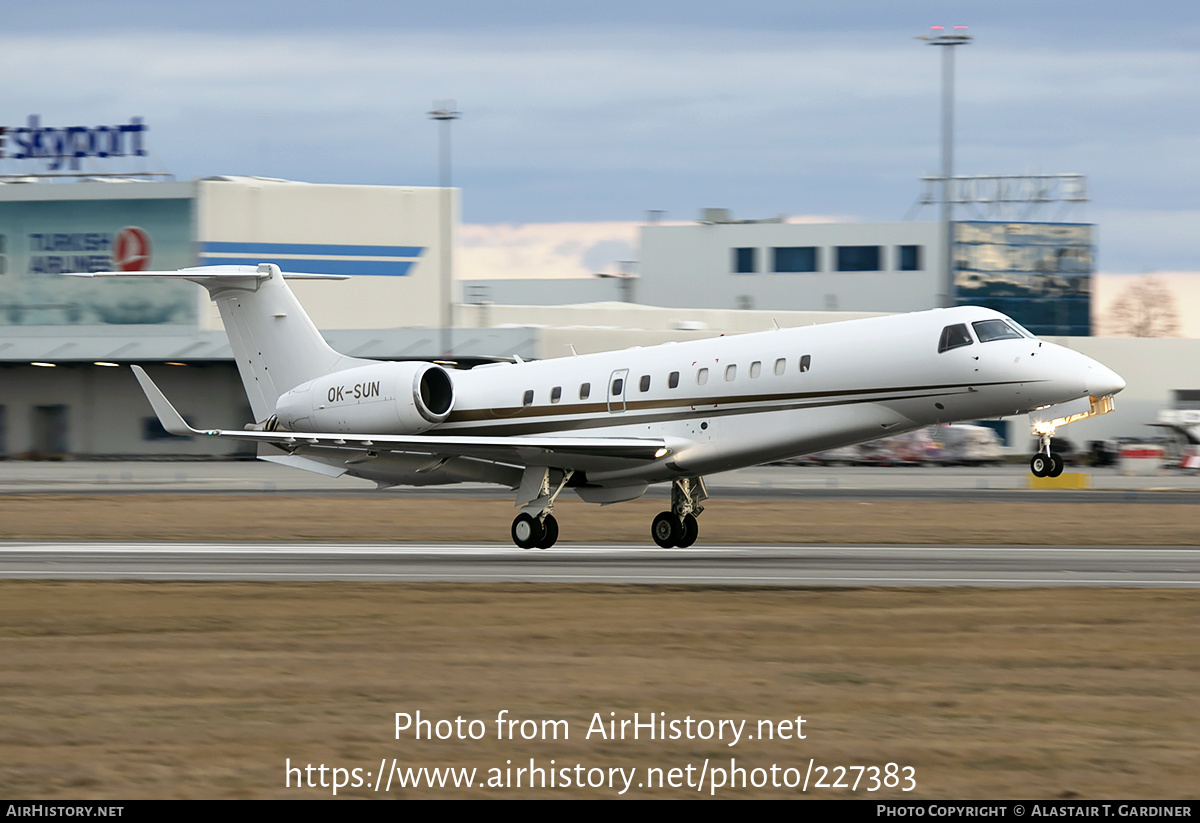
580 123
544 250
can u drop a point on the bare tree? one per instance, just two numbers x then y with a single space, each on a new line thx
1146 308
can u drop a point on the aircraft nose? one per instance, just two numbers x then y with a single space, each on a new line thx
1102 381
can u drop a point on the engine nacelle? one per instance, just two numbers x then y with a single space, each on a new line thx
384 398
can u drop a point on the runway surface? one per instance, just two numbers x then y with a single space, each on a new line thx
744 565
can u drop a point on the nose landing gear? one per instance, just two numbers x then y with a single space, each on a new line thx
1046 463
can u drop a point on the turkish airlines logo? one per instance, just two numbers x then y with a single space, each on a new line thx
131 249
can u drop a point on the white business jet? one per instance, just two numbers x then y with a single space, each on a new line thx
608 425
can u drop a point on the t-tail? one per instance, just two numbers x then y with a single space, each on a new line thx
274 341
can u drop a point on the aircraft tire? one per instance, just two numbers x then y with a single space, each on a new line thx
666 530
549 532
1040 465
691 530
1057 465
527 532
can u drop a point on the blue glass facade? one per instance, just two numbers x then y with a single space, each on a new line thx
1039 274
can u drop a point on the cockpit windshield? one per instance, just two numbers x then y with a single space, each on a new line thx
989 330
1024 331
953 337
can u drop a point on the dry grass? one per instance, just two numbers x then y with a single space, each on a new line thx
175 690
126 690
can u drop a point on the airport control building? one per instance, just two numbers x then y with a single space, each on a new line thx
1037 273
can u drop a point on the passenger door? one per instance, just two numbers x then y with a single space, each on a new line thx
616 390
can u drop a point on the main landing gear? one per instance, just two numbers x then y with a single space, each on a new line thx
531 532
678 528
1046 463
535 527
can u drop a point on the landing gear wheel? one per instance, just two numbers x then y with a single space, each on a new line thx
527 532
666 530
549 532
1040 465
1057 465
691 530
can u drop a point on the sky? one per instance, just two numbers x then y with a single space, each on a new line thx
592 114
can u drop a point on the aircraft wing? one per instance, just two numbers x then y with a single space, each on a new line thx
521 450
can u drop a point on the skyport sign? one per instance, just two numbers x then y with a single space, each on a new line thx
70 144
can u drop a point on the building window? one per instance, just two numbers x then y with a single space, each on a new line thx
745 261
673 380
858 258
794 258
645 384
909 258
556 394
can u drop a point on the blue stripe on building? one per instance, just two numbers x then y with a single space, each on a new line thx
314 249
382 268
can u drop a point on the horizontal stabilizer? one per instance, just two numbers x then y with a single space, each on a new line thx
198 274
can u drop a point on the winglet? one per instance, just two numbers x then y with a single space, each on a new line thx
171 420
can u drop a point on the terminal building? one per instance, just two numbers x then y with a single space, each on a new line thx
66 342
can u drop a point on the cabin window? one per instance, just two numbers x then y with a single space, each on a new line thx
585 391
988 330
701 377
673 380
805 363
953 337
528 399
618 387
556 394
644 385
780 366
755 368
730 373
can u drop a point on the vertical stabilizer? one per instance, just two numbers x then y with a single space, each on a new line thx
276 345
